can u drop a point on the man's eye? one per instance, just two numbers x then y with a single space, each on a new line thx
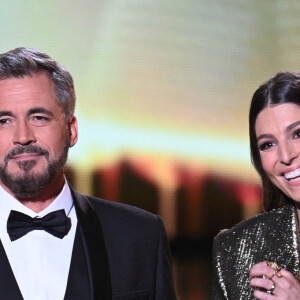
265 146
40 118
4 121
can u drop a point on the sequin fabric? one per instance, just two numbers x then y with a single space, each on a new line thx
271 236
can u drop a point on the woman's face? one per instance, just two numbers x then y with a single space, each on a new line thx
278 134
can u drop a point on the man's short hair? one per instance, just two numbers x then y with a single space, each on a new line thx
24 61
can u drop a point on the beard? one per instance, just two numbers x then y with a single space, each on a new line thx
28 183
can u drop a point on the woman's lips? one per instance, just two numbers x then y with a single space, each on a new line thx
292 174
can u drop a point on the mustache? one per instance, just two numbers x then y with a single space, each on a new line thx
26 149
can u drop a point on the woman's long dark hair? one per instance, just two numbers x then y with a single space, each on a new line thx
284 87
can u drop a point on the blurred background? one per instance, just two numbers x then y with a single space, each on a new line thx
163 91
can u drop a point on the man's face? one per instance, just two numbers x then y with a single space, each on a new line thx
34 136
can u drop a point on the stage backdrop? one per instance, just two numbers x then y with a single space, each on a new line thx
161 84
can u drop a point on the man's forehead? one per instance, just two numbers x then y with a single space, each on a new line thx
28 86
27 93
30 78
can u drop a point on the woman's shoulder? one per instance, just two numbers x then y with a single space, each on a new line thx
256 225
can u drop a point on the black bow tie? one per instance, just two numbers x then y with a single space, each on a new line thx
55 223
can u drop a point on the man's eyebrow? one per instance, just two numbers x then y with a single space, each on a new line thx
40 110
6 113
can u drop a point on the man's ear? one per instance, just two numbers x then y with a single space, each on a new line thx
73 130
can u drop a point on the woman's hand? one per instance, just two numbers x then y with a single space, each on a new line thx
279 284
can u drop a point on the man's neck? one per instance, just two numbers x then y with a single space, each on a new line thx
37 206
43 199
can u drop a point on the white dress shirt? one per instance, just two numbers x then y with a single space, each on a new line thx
40 261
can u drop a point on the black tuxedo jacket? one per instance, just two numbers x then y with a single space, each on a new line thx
120 253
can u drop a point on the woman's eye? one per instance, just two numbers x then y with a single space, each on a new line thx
265 146
297 134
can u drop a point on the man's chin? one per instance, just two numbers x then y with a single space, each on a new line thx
28 178
26 168
26 186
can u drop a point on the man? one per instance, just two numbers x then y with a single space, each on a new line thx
55 242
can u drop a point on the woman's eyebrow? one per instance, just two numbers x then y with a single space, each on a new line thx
264 136
291 126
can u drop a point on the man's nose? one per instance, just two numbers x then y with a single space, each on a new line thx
24 134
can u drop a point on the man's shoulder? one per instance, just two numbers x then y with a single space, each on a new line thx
113 208
120 214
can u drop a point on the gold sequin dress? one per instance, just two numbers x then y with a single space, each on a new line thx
270 236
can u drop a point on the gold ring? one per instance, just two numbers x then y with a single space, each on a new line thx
276 269
278 274
274 266
272 275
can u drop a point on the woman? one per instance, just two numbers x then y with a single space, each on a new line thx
259 257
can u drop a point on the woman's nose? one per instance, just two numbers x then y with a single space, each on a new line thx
288 152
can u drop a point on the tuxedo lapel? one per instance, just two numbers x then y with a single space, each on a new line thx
94 248
78 287
9 289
